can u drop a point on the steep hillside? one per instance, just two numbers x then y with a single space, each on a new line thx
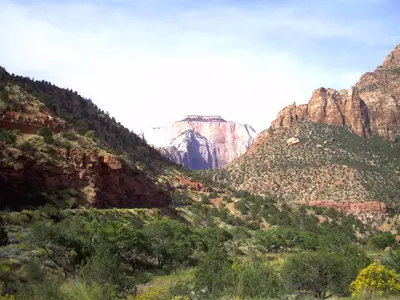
210 143
317 162
57 146
371 107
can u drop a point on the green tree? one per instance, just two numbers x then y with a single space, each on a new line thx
277 239
309 241
65 243
259 282
8 136
210 238
122 239
169 241
214 274
320 274
381 241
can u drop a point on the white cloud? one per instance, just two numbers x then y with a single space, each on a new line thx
149 63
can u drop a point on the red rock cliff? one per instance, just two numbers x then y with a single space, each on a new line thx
98 181
372 106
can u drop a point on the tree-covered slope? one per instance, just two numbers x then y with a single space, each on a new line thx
327 163
57 146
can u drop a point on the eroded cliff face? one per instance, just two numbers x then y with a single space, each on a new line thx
201 142
371 107
92 179
192 150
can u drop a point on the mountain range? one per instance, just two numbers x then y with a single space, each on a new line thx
340 147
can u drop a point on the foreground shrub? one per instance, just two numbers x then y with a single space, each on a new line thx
9 137
392 260
260 281
375 280
381 241
214 275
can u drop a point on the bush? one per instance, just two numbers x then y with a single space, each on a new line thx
260 282
28 148
205 199
70 135
46 133
73 290
241 206
375 280
277 239
392 260
91 134
7 136
214 275
381 241
42 291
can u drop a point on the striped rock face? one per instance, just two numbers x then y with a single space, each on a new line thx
201 142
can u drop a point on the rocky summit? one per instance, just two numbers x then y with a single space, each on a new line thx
371 107
318 154
201 142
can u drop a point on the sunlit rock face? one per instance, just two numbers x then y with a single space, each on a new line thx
371 107
201 142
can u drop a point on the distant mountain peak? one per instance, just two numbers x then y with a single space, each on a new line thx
201 142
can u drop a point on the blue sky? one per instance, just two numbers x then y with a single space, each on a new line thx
151 62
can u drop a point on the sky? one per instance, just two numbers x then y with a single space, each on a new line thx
150 62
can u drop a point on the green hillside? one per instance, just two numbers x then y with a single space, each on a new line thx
328 163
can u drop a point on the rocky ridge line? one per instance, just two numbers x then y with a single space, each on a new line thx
371 107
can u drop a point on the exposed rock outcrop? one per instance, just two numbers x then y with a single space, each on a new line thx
201 142
95 180
292 141
371 107
192 150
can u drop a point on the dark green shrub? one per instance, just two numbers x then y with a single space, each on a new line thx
392 260
3 236
7 136
260 282
91 134
28 148
46 133
214 275
241 206
381 241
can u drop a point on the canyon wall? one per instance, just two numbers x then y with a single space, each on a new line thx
201 142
